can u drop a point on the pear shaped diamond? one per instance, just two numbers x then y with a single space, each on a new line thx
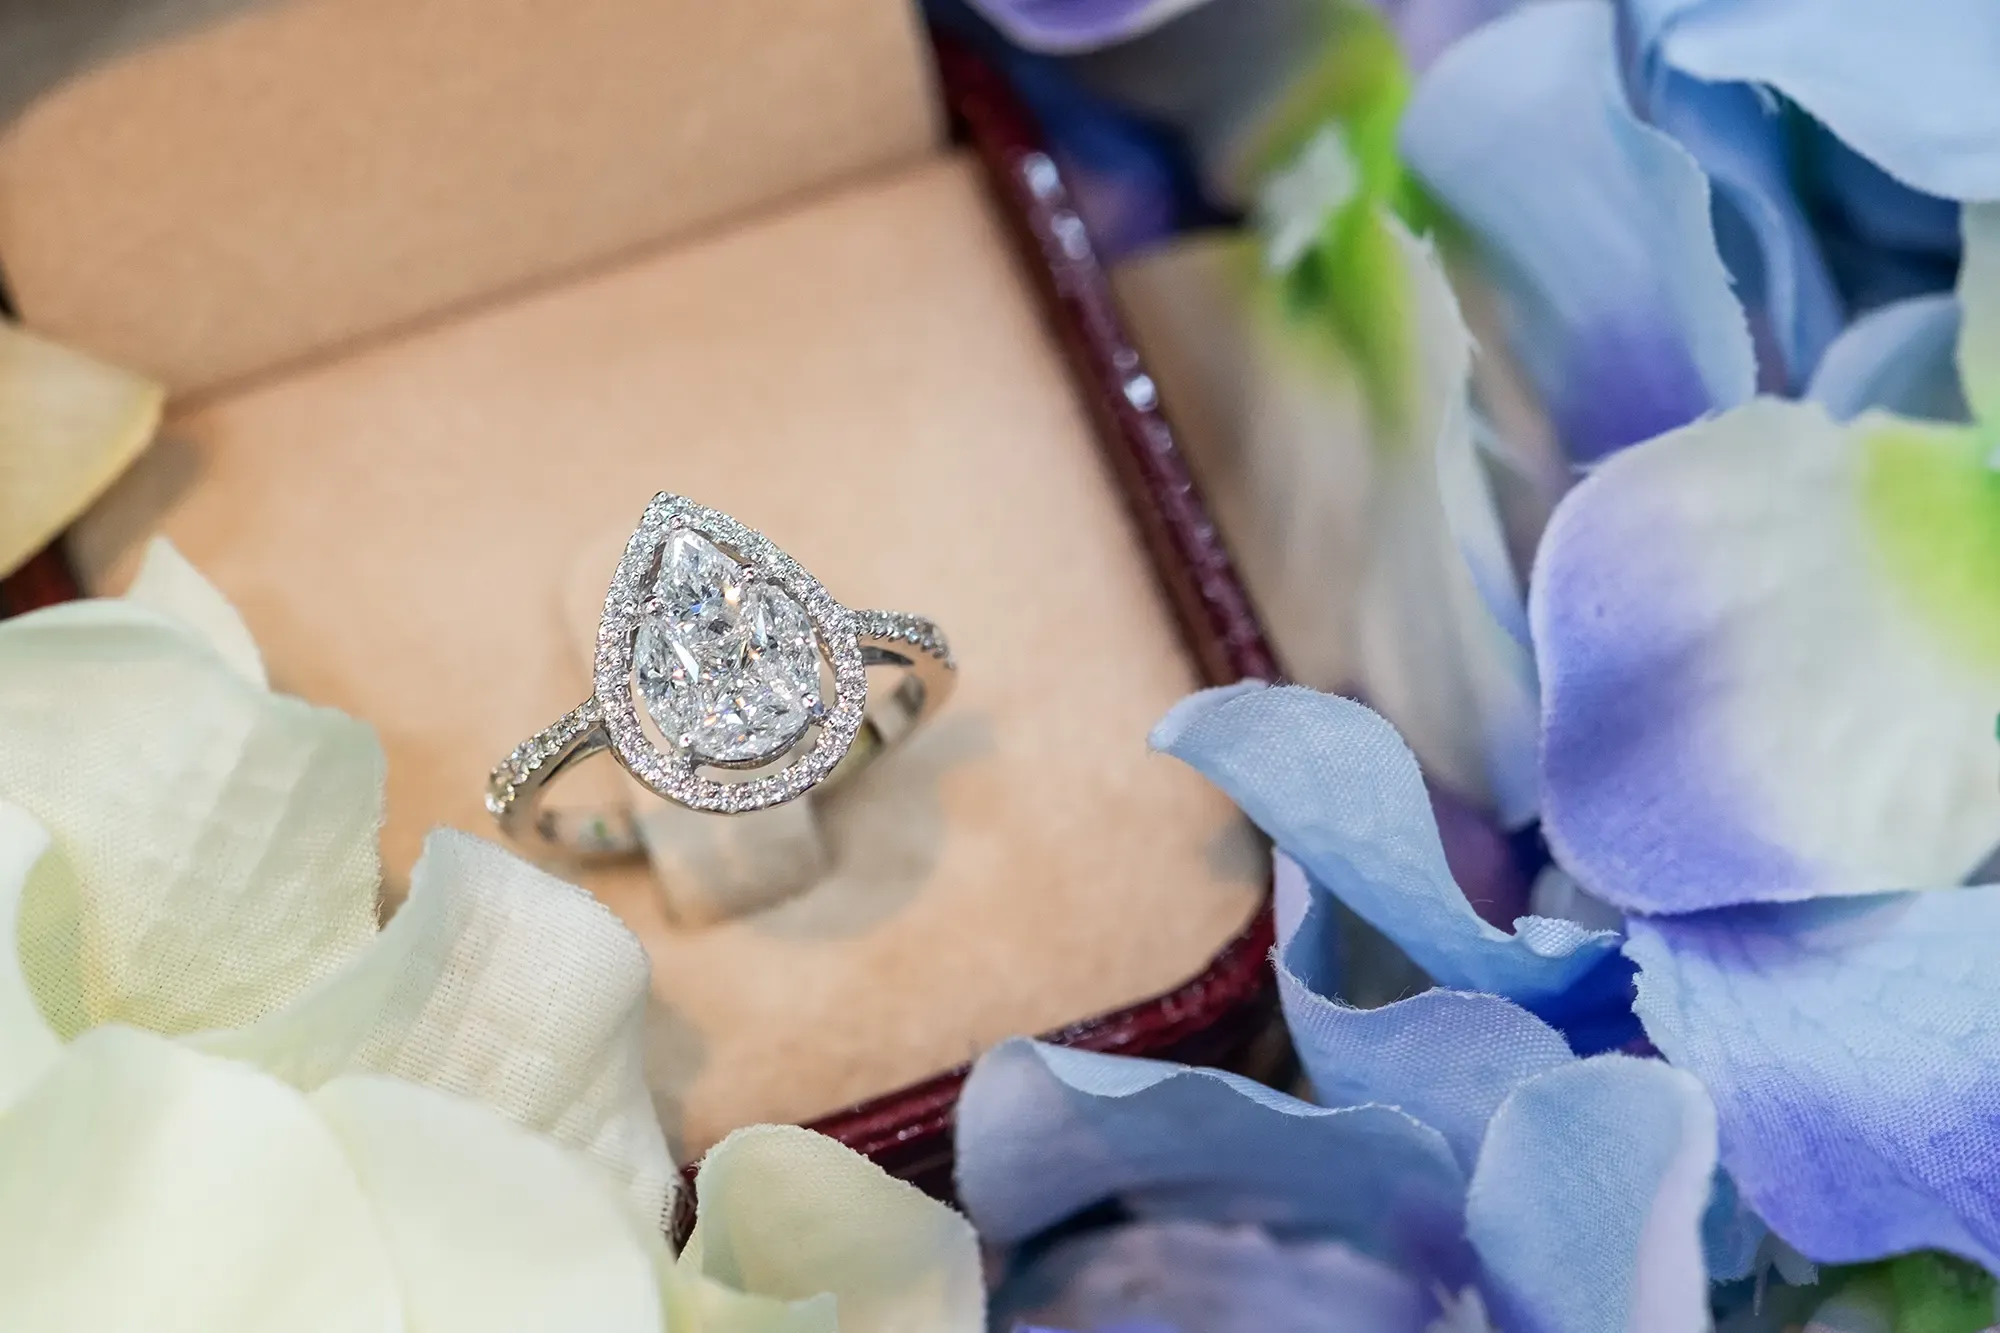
727 666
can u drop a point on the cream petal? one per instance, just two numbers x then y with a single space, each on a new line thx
68 426
214 844
144 1185
1443 625
697 1304
1373 545
27 1046
787 1214
167 583
489 1225
500 983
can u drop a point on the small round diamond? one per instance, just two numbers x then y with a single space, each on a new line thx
727 667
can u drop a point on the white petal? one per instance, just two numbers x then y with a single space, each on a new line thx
1443 625
789 1214
218 841
489 1225
1374 553
500 983
170 585
145 1186
27 1046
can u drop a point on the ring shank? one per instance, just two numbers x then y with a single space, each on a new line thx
517 786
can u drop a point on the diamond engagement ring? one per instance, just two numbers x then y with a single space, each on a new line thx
727 680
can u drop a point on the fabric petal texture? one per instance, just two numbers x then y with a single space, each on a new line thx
1588 1202
1447 1057
497 982
1596 224
213 844
1788 689
1855 65
1047 1131
788 1218
27 1045
137 1170
1335 787
490 1225
1853 1051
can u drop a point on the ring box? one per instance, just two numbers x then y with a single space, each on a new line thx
446 290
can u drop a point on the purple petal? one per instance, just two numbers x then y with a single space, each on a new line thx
1061 27
1209 1279
1596 225
1853 1051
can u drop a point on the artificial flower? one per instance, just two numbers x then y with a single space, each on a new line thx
1351 444
1595 224
1769 737
1746 766
1580 1208
229 1101
69 426
1852 65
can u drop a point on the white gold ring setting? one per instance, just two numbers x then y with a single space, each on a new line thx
726 680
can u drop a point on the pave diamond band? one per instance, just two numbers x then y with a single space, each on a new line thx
726 680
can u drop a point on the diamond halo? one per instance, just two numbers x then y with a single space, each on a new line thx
740 697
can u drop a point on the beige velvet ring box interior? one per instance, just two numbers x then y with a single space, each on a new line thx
448 289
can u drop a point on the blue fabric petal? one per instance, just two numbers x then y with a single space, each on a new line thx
1910 86
1765 239
1901 358
1335 787
1853 1051
1588 1202
1731 1234
1207 1279
1596 224
1047 1131
1446 1057
1130 177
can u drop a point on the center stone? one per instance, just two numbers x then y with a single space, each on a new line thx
727 667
